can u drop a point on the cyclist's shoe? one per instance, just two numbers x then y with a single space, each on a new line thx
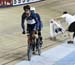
23 32
70 42
41 38
33 52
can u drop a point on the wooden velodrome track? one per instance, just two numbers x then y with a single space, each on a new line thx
13 45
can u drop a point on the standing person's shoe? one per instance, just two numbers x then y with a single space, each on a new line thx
23 32
70 42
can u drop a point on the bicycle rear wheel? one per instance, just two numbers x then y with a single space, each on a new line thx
39 51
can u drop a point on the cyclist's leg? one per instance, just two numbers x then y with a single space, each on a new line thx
40 36
32 35
29 39
28 34
30 31
39 33
33 39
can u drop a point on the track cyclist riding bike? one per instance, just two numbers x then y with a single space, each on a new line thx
32 26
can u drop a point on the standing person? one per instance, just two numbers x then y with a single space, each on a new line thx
71 22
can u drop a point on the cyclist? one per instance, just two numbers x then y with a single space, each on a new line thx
40 24
71 22
32 23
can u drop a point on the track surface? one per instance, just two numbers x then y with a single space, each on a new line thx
13 45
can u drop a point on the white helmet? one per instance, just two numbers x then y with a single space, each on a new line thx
32 8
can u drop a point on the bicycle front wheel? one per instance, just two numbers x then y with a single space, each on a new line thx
29 52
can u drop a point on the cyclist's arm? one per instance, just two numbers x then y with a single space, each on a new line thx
22 21
60 17
39 20
36 20
57 18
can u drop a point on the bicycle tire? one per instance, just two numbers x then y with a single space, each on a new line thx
29 52
38 47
